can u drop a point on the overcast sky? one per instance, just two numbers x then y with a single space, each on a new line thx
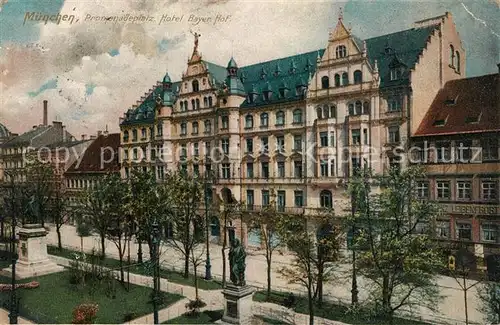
92 72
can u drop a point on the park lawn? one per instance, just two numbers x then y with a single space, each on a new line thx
205 317
54 300
172 276
330 311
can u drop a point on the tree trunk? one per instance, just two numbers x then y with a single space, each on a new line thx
103 246
139 251
268 259
186 265
311 302
386 300
122 273
59 241
81 243
465 302
319 288
195 282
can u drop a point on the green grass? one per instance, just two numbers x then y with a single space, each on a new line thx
172 276
271 321
55 299
331 311
206 317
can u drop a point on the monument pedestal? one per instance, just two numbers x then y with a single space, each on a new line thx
32 251
238 306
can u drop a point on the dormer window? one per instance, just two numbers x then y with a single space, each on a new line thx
267 95
282 92
451 101
300 89
473 119
440 122
325 82
341 51
396 73
263 74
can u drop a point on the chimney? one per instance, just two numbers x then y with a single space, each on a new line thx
84 137
45 102
93 137
99 133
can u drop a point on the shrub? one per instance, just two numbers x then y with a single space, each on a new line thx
129 317
194 306
289 301
85 313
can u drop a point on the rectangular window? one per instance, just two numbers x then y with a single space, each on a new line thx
250 170
323 139
265 197
423 190
281 201
393 134
195 128
183 151
488 190
265 169
332 168
443 152
280 143
443 230
249 145
323 166
490 148
135 153
225 146
250 199
365 136
264 144
281 169
297 142
356 164
153 153
464 231
297 168
226 171
464 190
298 198
160 171
207 148
356 136
443 190
125 154
225 122
489 232
395 103
196 149
183 128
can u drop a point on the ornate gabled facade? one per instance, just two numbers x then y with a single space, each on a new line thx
292 130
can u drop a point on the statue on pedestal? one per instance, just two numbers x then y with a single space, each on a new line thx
237 265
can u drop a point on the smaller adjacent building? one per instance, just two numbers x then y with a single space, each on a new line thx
100 158
458 145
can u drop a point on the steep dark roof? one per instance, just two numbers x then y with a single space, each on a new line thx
26 137
91 160
405 45
464 106
66 144
4 132
218 72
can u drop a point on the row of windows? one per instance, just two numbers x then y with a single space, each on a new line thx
463 190
81 183
342 79
280 119
159 171
267 95
463 231
264 144
143 132
487 149
14 164
325 198
195 104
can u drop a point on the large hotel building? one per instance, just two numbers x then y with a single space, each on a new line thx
291 130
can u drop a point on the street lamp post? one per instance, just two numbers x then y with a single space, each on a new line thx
208 266
156 267
13 297
354 289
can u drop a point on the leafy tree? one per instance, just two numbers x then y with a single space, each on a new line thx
300 235
401 263
40 183
260 219
185 194
489 296
59 210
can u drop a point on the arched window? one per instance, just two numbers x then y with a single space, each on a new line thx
358 77
457 58
214 226
210 101
345 79
208 126
452 55
297 116
183 128
359 107
125 136
195 127
185 105
182 106
196 86
333 111
366 108
337 80
193 104
341 51
325 198
197 103
319 111
325 82
280 118
264 119
326 111
249 121
134 135
205 102
351 109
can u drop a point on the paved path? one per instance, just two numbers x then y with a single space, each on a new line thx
451 309
4 318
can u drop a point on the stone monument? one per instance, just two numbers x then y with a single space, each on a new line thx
32 251
237 295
